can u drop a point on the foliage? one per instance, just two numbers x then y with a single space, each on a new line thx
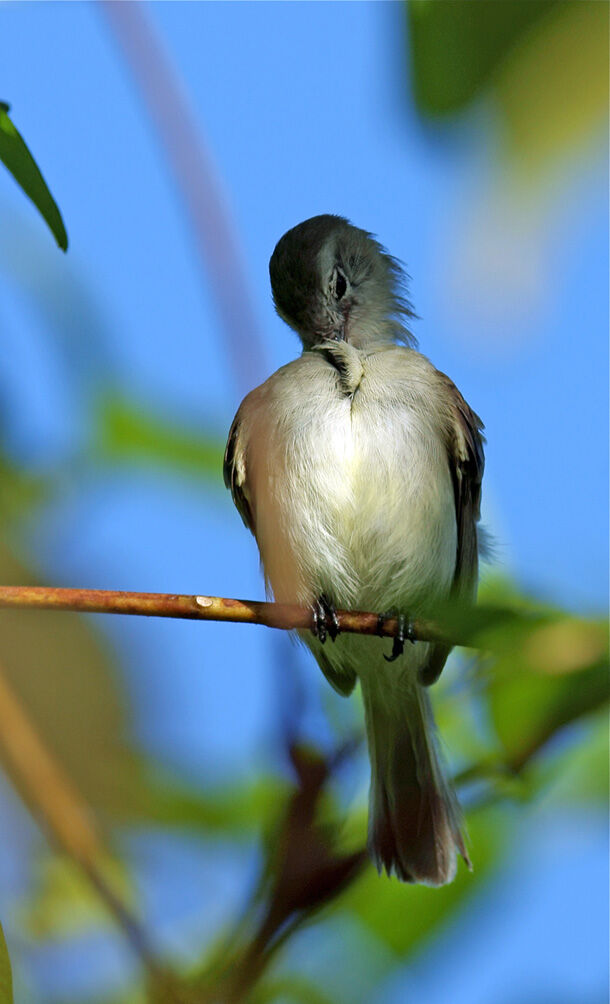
456 48
524 710
539 671
133 434
542 64
16 157
6 978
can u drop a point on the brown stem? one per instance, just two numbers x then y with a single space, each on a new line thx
286 616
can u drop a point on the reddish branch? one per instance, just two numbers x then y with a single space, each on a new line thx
206 608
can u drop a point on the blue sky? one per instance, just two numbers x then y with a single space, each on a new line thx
305 109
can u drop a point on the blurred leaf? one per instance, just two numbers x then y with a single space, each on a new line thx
553 89
500 610
456 47
544 63
528 711
290 988
402 916
62 903
237 809
19 490
579 772
129 433
66 679
16 157
6 977
566 646
543 678
542 669
587 774
136 994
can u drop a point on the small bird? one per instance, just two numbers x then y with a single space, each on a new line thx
358 469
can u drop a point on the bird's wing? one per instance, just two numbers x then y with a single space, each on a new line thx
464 443
340 675
466 463
234 471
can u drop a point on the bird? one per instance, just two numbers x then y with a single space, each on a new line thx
358 467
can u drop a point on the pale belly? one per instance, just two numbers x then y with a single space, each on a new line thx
358 506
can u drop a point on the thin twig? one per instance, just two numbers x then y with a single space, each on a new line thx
182 140
285 616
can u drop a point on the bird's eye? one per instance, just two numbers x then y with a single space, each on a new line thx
340 285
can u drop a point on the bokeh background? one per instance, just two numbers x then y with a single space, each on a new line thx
180 141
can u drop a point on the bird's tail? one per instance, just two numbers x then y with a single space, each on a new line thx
414 816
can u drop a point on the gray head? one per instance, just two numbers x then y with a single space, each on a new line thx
332 281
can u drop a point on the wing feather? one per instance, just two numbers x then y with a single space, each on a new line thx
465 443
234 471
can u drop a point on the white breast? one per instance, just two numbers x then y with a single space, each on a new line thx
354 496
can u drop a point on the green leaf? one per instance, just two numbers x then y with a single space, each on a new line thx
295 989
63 674
549 95
129 432
61 902
16 157
552 94
237 810
6 977
20 491
527 710
545 676
457 47
580 772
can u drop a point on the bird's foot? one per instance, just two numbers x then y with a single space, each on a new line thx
325 621
406 632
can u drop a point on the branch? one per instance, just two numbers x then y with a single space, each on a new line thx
286 616
69 823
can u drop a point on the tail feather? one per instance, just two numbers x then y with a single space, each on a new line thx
414 818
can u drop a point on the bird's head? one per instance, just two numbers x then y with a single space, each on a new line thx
334 282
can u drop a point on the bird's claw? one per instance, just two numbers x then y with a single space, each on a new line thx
325 621
406 632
